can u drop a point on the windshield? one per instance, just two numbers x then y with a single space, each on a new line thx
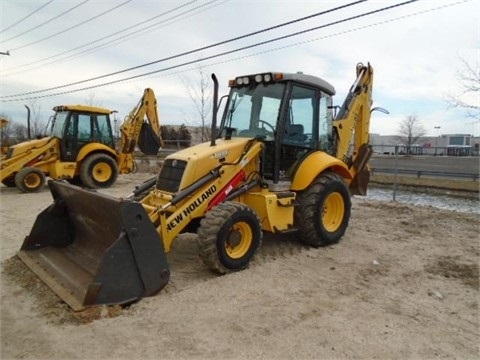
58 124
253 111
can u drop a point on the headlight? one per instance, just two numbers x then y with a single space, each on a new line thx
267 78
258 78
243 80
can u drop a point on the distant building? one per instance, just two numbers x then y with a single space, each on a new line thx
445 144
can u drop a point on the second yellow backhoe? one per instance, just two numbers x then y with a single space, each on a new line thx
80 147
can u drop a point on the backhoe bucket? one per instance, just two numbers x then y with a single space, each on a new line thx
94 249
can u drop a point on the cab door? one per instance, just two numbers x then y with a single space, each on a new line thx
77 134
306 127
82 129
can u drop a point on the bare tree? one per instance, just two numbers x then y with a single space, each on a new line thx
19 132
91 99
469 78
409 131
5 131
37 125
201 96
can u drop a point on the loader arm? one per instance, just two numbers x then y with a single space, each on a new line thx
136 131
352 123
172 213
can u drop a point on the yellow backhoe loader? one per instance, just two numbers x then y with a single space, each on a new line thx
80 147
279 162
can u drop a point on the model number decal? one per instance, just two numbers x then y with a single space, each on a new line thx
220 154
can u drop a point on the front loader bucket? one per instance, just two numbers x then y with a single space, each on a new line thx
94 249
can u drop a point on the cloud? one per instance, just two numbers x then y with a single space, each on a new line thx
414 50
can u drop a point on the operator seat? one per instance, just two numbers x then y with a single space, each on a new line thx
294 134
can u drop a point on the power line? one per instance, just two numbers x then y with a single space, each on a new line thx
383 22
74 26
173 19
195 50
258 44
25 17
115 41
46 22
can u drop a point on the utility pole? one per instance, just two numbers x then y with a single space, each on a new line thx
115 126
436 139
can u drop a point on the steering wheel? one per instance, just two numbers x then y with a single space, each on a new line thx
269 125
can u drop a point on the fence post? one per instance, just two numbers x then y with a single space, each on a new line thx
395 174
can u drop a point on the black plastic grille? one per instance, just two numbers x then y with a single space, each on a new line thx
171 174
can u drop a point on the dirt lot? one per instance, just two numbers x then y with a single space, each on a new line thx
402 284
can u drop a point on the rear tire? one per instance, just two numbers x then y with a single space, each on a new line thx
228 237
30 179
98 171
323 211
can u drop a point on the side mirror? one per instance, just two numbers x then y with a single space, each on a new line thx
385 111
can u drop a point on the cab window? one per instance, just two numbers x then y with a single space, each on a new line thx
84 127
301 117
254 111
102 130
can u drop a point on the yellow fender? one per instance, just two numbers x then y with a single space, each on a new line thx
95 147
313 165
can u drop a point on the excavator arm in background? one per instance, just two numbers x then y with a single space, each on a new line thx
352 123
141 127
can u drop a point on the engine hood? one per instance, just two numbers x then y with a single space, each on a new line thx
21 148
200 159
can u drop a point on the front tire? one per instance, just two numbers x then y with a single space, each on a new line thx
30 179
228 237
323 211
98 171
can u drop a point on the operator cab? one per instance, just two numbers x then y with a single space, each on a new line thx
80 125
291 113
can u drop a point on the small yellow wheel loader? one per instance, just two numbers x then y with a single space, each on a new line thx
80 147
280 161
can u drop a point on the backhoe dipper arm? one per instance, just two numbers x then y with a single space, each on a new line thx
353 118
136 131
353 123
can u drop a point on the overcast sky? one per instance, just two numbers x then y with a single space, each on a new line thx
415 50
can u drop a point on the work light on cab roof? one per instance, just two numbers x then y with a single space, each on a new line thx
256 78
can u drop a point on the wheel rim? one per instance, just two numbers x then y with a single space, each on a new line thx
32 181
239 240
333 211
101 172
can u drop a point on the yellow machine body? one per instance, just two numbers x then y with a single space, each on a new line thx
281 162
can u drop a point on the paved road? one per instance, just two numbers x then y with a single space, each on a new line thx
465 165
